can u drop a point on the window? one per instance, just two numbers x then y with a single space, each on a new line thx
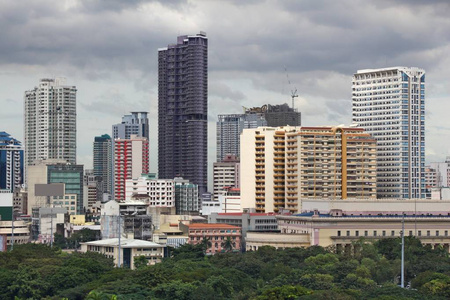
374 233
410 233
392 233
419 233
384 232
348 232
446 233
437 232
366 233
428 233
357 233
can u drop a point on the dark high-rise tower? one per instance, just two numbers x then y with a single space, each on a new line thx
183 110
103 162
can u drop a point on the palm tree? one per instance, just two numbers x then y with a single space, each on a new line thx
227 244
205 244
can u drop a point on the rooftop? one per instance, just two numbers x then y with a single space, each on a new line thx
124 243
213 225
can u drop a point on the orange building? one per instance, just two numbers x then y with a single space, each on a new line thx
217 234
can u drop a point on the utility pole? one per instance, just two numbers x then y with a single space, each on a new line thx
12 230
51 227
402 283
118 264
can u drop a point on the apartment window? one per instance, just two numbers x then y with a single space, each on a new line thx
356 233
419 233
446 233
374 233
410 233
348 232
392 233
366 233
437 232
428 233
384 232
339 233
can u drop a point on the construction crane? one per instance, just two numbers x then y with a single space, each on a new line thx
294 91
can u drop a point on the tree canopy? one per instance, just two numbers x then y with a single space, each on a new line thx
371 271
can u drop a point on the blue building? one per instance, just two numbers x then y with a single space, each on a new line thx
72 176
11 162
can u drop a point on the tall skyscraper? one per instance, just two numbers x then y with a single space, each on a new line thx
134 124
103 162
183 110
281 166
389 104
50 122
130 162
11 162
229 128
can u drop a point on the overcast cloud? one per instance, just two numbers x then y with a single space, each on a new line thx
108 49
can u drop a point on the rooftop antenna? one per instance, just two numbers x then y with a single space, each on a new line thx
293 91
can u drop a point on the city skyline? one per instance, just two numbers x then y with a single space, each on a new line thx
317 46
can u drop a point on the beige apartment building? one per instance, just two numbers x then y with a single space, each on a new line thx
283 165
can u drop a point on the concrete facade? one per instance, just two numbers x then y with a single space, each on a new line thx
389 104
131 159
282 166
50 122
226 174
130 249
216 234
183 110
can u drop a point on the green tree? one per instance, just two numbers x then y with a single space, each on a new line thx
317 281
284 292
140 262
227 244
27 284
205 244
175 290
188 251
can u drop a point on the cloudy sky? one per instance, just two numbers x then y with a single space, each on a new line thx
108 49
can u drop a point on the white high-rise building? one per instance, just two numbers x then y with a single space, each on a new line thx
389 104
50 122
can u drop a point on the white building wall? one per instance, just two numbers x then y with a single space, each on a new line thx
160 192
50 119
390 105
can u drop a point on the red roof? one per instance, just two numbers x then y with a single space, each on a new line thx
214 225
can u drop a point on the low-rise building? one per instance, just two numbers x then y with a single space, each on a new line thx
186 197
256 239
129 250
21 234
247 221
216 234
340 229
158 192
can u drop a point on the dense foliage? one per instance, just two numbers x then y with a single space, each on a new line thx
369 271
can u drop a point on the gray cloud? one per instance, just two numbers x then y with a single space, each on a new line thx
109 50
